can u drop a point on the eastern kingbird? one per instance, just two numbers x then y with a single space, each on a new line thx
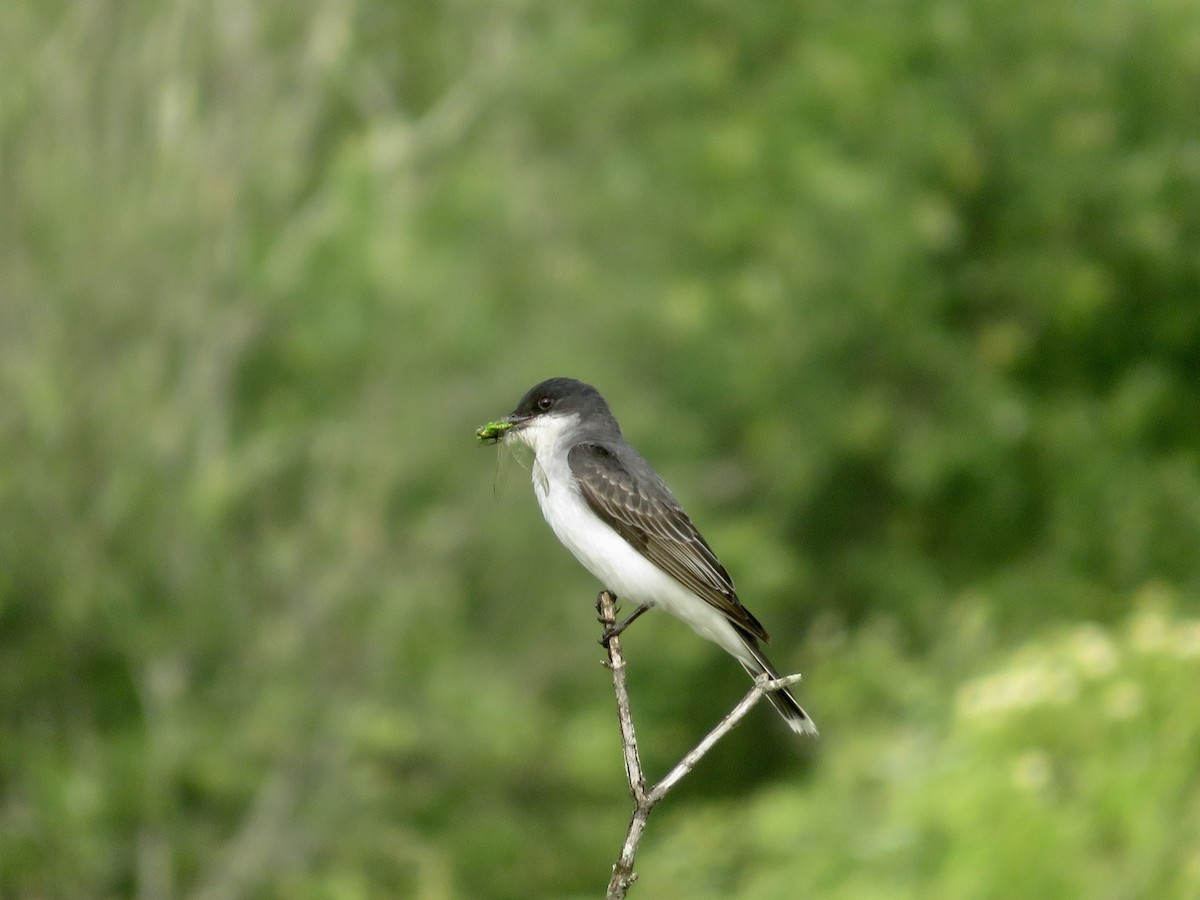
613 512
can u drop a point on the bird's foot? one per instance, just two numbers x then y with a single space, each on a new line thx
612 629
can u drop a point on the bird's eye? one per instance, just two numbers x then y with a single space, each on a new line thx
544 403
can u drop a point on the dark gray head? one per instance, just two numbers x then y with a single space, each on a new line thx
560 399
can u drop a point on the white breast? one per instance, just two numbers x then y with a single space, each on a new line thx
618 566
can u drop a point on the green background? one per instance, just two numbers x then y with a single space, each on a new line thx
903 299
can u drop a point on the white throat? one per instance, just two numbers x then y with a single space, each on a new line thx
548 438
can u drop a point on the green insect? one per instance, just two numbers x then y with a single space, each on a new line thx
492 432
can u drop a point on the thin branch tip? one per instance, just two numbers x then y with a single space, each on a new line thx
769 684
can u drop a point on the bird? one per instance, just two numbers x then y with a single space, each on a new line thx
612 511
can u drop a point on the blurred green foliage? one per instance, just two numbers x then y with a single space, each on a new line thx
903 300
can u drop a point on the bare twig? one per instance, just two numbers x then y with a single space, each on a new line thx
645 800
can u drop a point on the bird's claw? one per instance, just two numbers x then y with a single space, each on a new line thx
612 629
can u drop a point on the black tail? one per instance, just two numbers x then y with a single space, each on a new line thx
783 701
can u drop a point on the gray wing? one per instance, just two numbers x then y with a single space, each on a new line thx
638 506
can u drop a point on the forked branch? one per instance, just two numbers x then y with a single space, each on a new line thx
645 800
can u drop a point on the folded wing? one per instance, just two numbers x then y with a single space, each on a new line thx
636 504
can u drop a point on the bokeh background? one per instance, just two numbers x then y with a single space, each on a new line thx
902 298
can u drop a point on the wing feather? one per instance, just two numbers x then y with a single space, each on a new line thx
640 508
